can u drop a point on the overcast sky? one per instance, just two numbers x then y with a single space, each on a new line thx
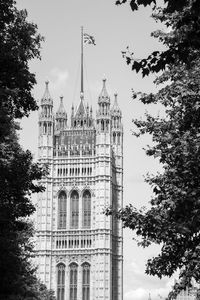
114 28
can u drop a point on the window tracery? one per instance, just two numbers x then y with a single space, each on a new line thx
61 282
86 209
74 209
85 281
73 281
62 210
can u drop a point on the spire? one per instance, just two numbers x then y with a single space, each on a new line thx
72 110
46 99
81 109
115 101
104 97
61 116
115 108
61 112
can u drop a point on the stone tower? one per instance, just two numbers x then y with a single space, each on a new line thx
79 249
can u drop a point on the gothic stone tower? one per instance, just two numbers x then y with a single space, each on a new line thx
79 249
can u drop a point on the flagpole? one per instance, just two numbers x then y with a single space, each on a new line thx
82 60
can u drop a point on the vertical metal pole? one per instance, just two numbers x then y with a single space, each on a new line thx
82 59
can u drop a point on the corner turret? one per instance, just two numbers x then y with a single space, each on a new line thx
61 116
116 124
46 124
103 112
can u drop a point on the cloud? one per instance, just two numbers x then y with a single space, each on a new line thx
138 285
142 293
58 78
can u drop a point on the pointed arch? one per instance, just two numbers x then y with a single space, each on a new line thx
61 281
118 140
114 137
107 125
62 210
74 212
85 281
73 281
102 125
86 209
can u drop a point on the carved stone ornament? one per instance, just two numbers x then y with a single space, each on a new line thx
60 259
86 184
73 258
61 188
85 258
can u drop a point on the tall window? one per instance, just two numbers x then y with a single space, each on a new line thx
85 281
73 281
74 209
86 209
62 210
61 282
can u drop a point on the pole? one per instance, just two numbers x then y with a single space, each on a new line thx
81 59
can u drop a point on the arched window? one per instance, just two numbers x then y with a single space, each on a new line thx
118 138
73 281
61 282
74 209
107 125
114 136
85 281
102 125
62 210
86 209
45 128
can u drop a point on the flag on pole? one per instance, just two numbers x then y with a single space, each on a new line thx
88 39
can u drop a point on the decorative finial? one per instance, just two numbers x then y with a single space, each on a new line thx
81 95
47 82
61 98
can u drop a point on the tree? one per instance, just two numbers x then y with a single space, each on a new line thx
19 43
18 173
183 41
173 220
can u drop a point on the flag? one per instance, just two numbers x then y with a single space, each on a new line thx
88 39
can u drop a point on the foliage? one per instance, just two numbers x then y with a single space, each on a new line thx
182 42
19 43
39 291
173 219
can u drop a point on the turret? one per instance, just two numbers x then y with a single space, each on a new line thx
61 116
46 124
103 112
116 116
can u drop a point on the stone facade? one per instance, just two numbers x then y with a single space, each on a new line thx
79 249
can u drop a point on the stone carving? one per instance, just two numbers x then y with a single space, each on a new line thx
73 258
85 258
60 259
61 188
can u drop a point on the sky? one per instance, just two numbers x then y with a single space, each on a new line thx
114 28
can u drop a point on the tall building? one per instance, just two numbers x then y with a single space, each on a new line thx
79 249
